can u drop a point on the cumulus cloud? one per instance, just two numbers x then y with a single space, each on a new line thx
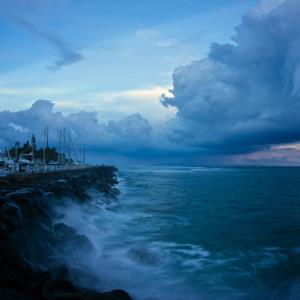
129 134
67 53
246 94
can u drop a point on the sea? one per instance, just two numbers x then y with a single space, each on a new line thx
192 233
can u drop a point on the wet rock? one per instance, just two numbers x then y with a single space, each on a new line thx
63 231
83 277
118 294
76 247
32 247
25 193
34 242
11 294
60 272
32 202
113 295
60 289
70 242
11 216
3 200
9 279
4 230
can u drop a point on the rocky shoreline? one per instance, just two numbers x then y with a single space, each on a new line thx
31 243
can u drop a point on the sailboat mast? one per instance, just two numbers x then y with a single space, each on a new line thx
64 145
16 150
59 154
33 146
69 147
47 137
46 142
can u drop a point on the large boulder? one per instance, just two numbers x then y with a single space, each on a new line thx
35 243
11 294
11 218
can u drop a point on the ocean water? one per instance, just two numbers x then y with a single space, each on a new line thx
189 233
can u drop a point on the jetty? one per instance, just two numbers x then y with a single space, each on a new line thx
33 244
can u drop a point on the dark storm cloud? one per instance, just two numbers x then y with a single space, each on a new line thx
245 95
67 53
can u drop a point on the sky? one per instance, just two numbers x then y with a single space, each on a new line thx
200 82
108 56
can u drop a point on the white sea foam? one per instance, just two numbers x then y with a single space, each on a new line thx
122 260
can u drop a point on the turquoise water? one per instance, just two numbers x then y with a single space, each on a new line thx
200 233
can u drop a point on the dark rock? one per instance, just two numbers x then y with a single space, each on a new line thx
63 231
59 289
3 200
113 295
4 230
76 246
83 277
117 295
60 272
32 247
11 215
32 203
9 279
34 242
10 209
11 294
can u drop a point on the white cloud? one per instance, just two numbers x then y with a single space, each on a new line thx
127 134
18 128
119 103
144 94
293 146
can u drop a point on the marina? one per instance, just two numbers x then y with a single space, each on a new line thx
33 157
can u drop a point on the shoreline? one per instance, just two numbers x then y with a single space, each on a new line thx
31 243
